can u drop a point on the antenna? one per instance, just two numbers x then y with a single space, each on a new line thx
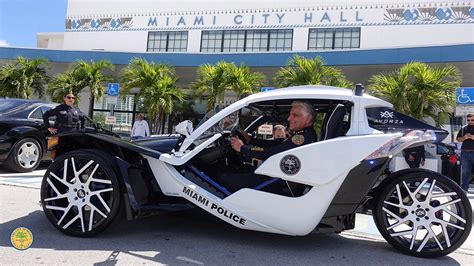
359 89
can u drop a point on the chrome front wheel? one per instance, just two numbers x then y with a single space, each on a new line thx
423 214
25 156
80 193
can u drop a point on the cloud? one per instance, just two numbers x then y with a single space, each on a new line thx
4 43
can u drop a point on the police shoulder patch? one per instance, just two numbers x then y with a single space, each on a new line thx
298 139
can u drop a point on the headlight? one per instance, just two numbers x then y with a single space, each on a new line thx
397 145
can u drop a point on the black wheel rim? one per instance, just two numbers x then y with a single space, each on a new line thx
424 215
78 195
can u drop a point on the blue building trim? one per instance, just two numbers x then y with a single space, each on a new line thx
434 54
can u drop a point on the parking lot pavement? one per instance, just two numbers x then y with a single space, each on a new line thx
365 226
30 180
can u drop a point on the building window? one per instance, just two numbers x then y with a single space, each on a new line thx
334 38
246 40
257 40
234 41
280 40
211 41
167 41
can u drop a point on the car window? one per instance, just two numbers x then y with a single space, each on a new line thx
440 149
46 108
36 114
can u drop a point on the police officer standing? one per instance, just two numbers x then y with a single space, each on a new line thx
68 117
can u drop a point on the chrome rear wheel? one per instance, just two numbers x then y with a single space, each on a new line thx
423 214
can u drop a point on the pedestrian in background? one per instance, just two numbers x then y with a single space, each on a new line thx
140 128
67 116
279 132
466 136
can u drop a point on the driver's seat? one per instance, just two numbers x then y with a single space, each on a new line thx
333 125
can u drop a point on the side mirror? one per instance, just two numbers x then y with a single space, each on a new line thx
98 125
185 128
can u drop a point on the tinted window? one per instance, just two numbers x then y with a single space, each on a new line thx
37 114
45 108
440 149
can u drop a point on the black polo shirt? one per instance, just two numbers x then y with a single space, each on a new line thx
469 143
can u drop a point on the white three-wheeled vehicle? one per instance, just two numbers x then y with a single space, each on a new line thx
317 187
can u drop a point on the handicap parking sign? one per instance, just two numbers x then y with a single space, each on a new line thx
464 96
113 89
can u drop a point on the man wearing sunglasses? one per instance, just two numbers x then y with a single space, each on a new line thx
67 116
466 136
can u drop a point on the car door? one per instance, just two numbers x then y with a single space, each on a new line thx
37 116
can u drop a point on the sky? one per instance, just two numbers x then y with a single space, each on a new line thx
20 20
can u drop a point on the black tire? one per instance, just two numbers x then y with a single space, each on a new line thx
416 213
25 156
69 205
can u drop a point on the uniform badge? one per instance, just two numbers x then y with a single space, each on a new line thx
290 165
298 139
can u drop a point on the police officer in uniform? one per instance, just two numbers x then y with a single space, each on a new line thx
68 117
300 121
466 136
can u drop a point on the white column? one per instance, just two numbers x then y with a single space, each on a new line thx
300 39
194 41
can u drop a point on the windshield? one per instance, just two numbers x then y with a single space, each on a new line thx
226 124
239 119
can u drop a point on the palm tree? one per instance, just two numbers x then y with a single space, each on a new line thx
63 83
304 71
242 81
158 90
95 79
79 76
214 80
419 90
23 77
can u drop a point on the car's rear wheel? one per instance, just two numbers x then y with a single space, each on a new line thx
25 156
80 193
423 214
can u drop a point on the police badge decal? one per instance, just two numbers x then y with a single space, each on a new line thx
290 165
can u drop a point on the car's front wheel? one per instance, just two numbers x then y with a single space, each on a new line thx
423 214
25 156
80 193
